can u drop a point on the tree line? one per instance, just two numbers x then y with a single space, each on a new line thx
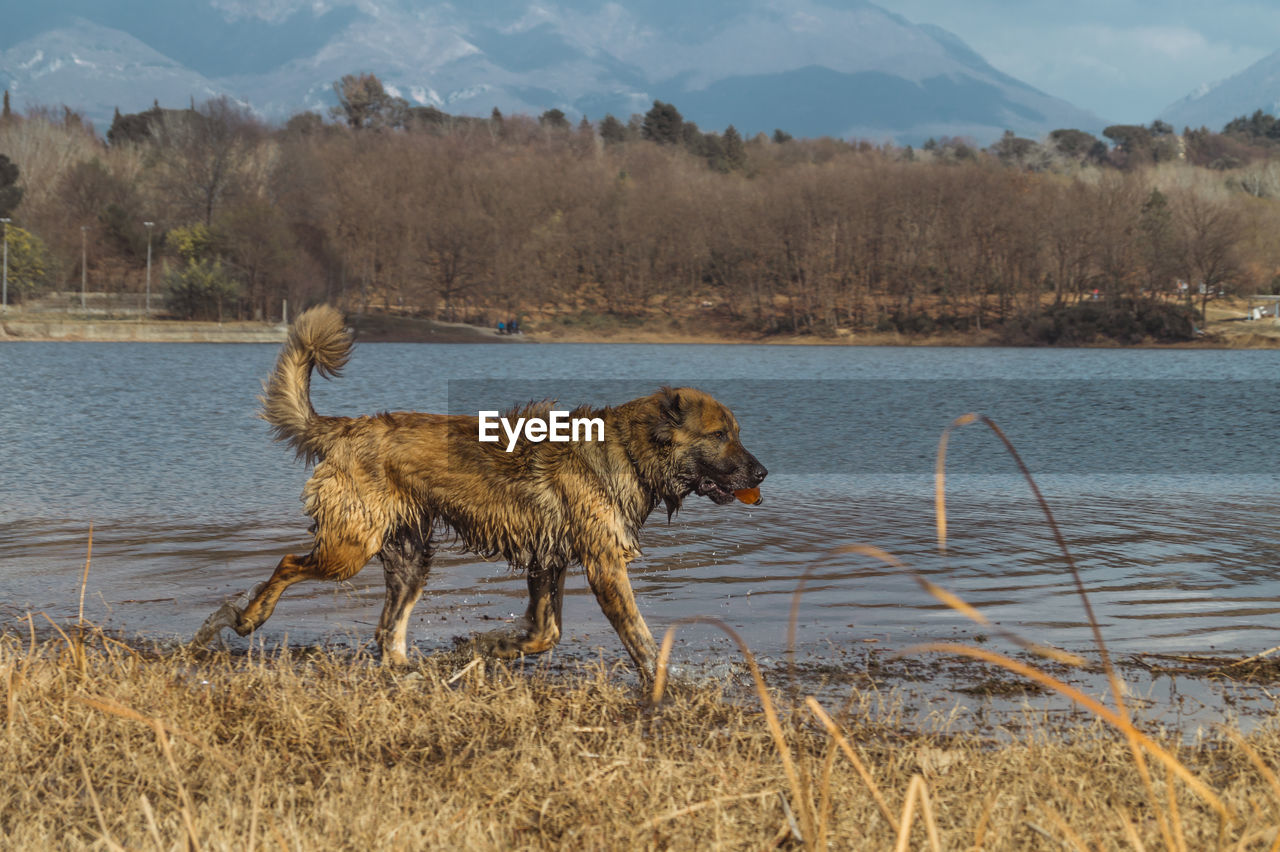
383 206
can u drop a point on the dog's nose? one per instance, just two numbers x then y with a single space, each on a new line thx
759 472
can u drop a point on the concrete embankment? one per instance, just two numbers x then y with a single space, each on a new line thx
369 328
140 331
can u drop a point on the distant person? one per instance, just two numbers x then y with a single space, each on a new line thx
502 327
513 327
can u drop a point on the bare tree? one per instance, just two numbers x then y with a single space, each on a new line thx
203 155
1209 230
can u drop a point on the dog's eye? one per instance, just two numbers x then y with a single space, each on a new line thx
721 435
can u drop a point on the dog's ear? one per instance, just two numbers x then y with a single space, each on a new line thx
672 405
670 411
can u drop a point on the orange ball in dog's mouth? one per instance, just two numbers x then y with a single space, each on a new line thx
750 496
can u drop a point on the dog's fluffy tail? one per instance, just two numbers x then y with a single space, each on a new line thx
320 341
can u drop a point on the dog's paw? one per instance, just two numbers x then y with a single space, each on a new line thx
503 644
224 616
390 658
227 615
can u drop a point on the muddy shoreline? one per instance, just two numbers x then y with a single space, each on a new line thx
922 692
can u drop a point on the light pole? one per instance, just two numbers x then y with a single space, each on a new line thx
84 269
149 226
4 298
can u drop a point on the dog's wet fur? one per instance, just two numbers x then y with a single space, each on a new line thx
391 485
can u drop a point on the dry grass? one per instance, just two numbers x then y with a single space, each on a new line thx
122 747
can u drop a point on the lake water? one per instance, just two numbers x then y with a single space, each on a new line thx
1160 466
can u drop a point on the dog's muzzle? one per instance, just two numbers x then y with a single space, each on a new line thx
721 490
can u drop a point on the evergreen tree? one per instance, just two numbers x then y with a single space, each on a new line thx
1257 127
8 113
1133 139
134 127
426 118
10 192
201 287
1011 149
693 139
711 147
554 119
29 264
304 124
1158 241
663 124
612 131
1072 143
735 150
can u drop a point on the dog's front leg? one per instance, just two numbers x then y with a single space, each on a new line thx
542 618
612 587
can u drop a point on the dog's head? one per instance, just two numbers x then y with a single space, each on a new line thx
705 455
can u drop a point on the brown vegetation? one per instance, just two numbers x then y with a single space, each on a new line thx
488 219
119 747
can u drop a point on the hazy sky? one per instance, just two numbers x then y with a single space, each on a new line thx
1125 60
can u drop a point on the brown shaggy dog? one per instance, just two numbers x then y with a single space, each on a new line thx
389 485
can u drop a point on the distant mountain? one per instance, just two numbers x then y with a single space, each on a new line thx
90 68
1213 105
811 67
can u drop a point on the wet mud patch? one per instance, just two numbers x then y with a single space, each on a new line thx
1259 669
912 692
933 692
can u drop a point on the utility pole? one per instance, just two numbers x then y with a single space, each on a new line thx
149 226
4 299
84 269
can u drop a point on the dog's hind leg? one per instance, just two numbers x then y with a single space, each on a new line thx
406 561
290 570
330 560
247 611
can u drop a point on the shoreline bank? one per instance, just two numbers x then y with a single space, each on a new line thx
1225 333
28 328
